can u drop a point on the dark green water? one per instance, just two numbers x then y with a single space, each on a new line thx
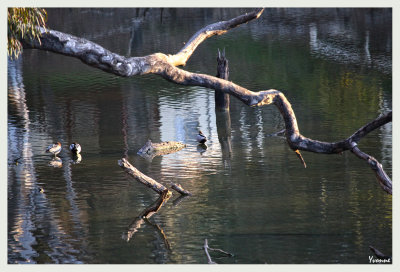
257 201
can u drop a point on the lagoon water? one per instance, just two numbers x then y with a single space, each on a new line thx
251 195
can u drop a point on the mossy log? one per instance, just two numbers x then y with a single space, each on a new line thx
150 150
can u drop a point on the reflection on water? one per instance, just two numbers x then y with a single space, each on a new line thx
251 196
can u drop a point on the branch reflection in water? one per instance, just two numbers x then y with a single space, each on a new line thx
145 215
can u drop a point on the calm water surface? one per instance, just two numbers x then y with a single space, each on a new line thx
251 196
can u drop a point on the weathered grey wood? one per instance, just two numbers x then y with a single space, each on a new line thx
218 28
179 189
207 248
209 260
383 178
165 66
99 57
222 100
142 178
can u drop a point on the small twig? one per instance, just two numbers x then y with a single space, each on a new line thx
179 189
206 248
221 251
278 133
300 157
378 253
210 261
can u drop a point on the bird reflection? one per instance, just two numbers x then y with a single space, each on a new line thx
76 158
55 162
201 148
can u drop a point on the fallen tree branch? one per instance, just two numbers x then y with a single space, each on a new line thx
214 29
142 178
99 57
221 251
383 178
165 66
209 260
207 248
179 189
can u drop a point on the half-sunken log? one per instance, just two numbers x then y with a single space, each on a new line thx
150 150
142 178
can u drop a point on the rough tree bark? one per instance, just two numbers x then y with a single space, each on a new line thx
222 100
151 150
165 66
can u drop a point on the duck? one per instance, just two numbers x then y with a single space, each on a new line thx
75 148
201 138
54 148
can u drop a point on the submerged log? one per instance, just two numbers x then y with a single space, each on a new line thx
149 182
150 150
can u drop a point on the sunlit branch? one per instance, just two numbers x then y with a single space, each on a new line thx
165 66
142 178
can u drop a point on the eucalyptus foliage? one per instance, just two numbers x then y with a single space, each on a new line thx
23 23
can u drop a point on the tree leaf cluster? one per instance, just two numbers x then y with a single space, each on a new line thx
23 23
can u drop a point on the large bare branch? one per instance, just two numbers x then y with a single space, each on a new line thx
165 66
99 57
218 28
383 178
